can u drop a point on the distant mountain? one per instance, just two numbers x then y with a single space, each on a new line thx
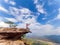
53 38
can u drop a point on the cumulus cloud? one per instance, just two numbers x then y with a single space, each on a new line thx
3 9
41 30
11 19
21 11
27 21
58 16
3 19
2 24
35 1
21 14
12 2
39 7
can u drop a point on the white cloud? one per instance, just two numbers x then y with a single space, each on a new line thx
21 13
14 11
35 1
12 2
21 25
3 19
39 7
57 31
27 21
25 11
6 1
41 30
44 18
11 19
58 16
3 9
2 24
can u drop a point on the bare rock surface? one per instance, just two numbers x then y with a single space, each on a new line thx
10 42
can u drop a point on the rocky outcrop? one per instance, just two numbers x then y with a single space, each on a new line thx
12 33
12 36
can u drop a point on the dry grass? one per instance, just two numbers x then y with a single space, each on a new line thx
26 41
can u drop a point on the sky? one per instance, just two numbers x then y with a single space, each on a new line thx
42 15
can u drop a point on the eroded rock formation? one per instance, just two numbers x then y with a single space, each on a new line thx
10 36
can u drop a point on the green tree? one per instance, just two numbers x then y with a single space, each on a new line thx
23 36
11 24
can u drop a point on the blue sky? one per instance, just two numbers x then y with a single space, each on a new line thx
42 15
